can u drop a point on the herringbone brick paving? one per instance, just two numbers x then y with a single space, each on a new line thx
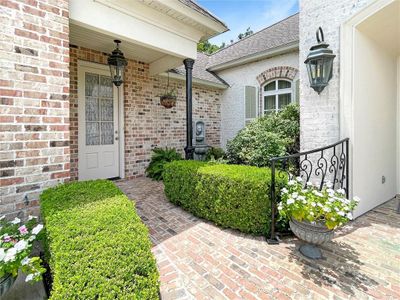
198 260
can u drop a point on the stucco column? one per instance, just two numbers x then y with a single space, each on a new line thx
189 131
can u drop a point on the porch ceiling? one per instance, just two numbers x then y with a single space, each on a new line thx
95 40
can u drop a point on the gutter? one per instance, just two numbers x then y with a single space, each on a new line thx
255 57
195 80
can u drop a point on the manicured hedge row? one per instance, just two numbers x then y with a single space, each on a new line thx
98 246
232 196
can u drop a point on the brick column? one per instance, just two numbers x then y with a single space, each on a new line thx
34 104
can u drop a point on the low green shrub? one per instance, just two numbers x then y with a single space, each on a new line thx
231 196
273 135
98 246
158 159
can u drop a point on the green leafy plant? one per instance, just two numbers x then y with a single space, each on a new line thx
16 242
98 246
215 153
158 160
329 207
273 135
229 195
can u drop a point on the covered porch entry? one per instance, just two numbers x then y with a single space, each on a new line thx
112 128
370 49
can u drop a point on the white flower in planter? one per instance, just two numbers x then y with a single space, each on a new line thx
357 199
317 193
313 204
32 217
37 229
341 191
290 201
16 221
349 216
29 277
2 254
25 261
299 179
291 182
284 190
21 245
295 195
327 209
10 254
341 213
309 183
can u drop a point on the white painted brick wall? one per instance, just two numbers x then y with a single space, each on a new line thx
232 104
319 114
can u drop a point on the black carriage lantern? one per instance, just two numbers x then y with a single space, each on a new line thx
117 63
319 63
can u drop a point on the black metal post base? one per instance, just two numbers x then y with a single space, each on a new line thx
189 152
273 240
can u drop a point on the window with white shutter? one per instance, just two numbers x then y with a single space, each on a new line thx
250 100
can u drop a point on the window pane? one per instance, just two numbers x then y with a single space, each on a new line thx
284 100
91 84
107 112
107 133
250 102
283 84
92 133
91 109
106 87
269 102
268 112
270 86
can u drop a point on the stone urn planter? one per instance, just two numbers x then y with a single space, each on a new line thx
168 101
6 282
313 235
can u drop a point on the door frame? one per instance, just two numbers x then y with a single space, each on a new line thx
121 124
348 31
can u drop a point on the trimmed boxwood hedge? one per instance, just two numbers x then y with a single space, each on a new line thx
97 245
232 196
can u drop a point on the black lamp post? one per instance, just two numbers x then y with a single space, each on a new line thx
117 63
319 63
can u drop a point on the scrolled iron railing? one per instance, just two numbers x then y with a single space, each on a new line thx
330 163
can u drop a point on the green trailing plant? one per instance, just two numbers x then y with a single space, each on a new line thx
98 246
158 160
274 135
215 153
231 196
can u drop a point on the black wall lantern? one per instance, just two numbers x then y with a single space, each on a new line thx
319 63
117 63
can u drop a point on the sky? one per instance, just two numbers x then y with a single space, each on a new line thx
238 15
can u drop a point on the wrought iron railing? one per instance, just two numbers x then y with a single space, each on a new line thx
330 163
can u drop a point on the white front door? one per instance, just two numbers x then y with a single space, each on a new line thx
98 146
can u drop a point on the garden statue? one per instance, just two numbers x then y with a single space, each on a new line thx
200 146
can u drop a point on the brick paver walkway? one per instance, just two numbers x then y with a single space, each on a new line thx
198 260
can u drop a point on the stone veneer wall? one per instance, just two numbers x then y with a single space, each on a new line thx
34 105
147 123
319 114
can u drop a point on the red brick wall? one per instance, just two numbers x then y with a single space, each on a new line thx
34 105
147 123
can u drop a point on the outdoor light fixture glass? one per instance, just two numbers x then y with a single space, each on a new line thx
117 63
319 63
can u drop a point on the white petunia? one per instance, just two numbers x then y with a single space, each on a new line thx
341 213
309 183
313 204
16 221
327 209
349 216
301 198
357 199
31 238
25 261
290 201
284 190
295 195
10 255
291 182
319 204
299 179
21 245
32 217
311 213
2 254
341 191
37 229
328 184
29 277
330 191
317 193
337 209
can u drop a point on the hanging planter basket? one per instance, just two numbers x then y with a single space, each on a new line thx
168 99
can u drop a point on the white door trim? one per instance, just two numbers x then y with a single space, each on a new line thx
346 102
121 114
